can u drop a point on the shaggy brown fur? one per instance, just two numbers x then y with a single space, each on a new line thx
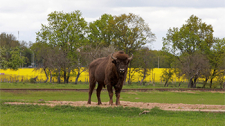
110 71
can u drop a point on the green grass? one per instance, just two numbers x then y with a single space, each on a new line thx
67 115
85 85
150 96
33 115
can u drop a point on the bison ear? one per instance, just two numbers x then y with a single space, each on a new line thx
114 61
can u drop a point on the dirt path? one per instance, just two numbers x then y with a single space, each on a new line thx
163 106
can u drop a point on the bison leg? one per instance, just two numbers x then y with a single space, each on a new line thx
117 95
110 91
91 88
99 92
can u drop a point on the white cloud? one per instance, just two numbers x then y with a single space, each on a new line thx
160 19
27 16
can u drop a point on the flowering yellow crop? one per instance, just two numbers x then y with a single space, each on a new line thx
23 74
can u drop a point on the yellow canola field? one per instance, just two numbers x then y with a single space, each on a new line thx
24 74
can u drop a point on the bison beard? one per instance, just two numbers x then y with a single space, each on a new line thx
110 71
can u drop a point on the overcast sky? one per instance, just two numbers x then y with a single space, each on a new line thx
26 16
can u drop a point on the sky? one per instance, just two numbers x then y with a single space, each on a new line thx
26 16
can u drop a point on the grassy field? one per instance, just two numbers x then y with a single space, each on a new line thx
150 96
86 85
68 115
32 115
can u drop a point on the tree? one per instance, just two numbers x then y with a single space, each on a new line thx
145 62
161 59
130 32
50 59
168 61
167 76
27 53
193 38
193 66
3 61
216 57
101 33
42 51
67 31
13 47
8 41
12 60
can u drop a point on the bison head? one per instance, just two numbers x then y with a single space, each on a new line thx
121 62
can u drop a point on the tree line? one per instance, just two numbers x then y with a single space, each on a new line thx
68 42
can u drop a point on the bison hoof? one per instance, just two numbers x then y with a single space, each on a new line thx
88 102
99 103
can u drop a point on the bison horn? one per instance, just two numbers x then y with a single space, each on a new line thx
113 57
130 58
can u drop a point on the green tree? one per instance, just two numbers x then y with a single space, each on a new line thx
130 32
3 61
68 31
101 34
8 41
13 61
167 76
10 52
16 59
193 38
161 59
216 57
145 62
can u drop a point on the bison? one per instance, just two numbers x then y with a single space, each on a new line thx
108 71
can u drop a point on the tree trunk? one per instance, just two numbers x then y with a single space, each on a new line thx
205 82
179 84
129 81
214 72
224 85
46 75
59 80
78 75
166 83
210 85
142 80
64 76
143 77
67 78
190 84
195 81
50 75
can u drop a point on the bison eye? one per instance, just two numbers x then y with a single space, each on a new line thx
114 61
